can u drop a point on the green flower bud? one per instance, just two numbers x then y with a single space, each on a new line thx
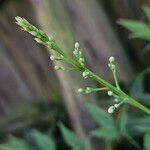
111 109
111 59
80 90
85 74
76 45
59 68
110 93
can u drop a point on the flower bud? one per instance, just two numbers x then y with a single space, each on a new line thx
116 100
52 57
85 74
76 45
88 90
116 105
110 93
111 59
81 60
59 68
80 90
111 109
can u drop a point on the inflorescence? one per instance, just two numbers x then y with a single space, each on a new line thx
78 63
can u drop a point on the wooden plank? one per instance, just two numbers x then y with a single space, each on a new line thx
24 76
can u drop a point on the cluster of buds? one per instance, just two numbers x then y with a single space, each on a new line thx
78 54
53 58
111 63
57 58
112 67
86 74
88 90
113 107
117 104
59 68
39 35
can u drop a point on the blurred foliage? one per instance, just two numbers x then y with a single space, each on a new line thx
14 144
138 125
71 139
105 121
137 87
39 142
138 29
126 126
147 141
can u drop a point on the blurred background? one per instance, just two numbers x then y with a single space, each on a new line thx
33 95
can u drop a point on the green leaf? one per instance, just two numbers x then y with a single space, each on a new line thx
138 29
14 144
144 98
87 143
105 120
146 10
137 87
147 141
104 132
99 115
122 119
70 138
138 125
42 141
137 84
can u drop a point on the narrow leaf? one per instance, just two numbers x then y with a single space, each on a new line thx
100 116
70 138
137 87
42 141
147 141
103 132
138 125
14 144
146 10
138 29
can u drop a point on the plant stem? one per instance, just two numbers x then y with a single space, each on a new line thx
104 83
42 38
120 93
115 78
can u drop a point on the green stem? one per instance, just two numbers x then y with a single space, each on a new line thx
112 88
42 38
115 78
100 89
120 93
104 83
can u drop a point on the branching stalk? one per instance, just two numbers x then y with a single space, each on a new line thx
78 63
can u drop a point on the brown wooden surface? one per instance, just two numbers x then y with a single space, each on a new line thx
24 73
